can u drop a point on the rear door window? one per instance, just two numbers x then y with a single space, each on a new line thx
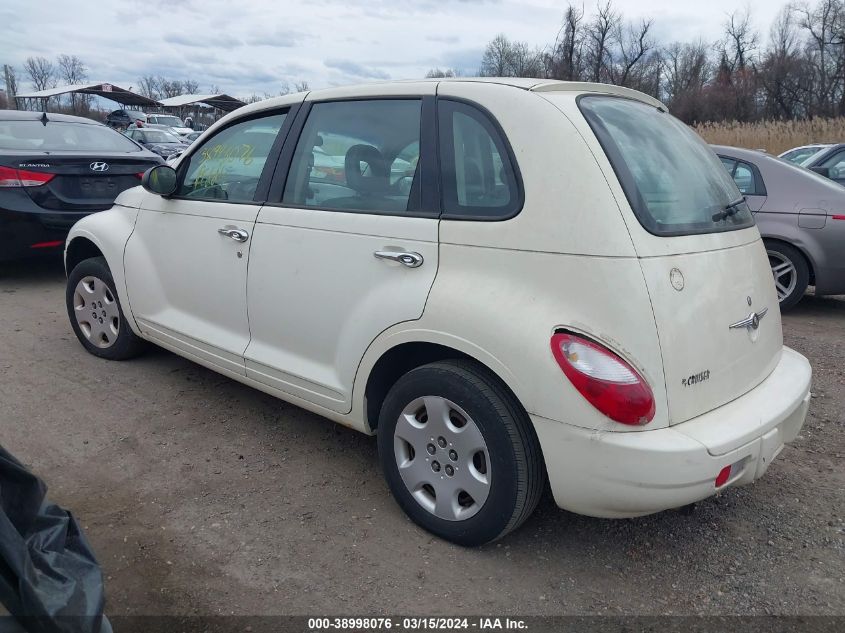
673 181
744 179
359 156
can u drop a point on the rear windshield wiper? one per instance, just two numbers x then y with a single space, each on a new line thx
729 210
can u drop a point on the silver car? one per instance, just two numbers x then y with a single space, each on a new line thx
801 216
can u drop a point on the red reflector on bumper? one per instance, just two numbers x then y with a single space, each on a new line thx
838 217
723 476
52 244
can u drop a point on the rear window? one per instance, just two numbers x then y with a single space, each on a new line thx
172 121
673 181
58 136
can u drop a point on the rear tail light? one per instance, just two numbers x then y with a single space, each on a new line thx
139 175
50 244
723 476
838 217
609 383
20 178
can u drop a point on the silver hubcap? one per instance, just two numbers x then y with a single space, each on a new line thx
783 270
442 458
96 311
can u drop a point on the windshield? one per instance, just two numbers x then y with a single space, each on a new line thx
159 136
172 121
59 136
674 182
798 156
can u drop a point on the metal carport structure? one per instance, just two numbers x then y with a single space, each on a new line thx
100 89
219 101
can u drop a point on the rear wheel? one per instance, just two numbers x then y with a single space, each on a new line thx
459 453
790 272
95 313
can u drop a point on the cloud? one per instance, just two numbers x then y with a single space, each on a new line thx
203 41
280 39
355 70
466 61
446 39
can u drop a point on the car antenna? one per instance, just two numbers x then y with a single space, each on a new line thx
44 119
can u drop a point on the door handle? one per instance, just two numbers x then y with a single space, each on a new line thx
411 260
239 235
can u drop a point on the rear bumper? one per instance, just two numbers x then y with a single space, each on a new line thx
24 224
830 281
626 474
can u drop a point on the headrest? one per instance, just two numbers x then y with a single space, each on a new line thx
358 159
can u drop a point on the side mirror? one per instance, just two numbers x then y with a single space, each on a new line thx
160 180
822 171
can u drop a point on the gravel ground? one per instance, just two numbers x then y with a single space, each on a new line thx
203 496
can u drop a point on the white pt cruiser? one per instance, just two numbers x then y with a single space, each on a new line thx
505 280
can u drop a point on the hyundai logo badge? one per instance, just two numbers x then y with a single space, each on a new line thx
99 166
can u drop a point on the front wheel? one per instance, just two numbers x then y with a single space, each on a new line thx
459 453
790 272
95 313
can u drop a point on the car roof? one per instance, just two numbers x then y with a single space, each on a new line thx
28 115
526 84
808 146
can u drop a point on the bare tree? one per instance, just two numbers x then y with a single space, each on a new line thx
496 61
503 58
436 73
41 72
190 86
740 41
148 86
600 33
301 86
169 88
824 52
566 58
686 71
634 48
783 74
72 71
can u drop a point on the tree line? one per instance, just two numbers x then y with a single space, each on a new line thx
799 73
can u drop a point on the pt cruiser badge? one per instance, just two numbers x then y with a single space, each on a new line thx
752 321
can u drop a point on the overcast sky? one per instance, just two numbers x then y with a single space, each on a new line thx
246 46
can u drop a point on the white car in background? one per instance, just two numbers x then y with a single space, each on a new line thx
803 155
507 281
171 121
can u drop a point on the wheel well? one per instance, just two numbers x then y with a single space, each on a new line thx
79 250
809 261
398 361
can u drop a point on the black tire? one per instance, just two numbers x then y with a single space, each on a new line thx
517 473
126 343
778 251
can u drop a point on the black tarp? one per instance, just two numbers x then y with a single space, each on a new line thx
49 578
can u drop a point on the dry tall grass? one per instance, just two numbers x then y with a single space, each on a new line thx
774 136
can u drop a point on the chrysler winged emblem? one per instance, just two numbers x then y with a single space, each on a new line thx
752 321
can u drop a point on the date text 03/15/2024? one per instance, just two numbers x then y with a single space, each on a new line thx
416 624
